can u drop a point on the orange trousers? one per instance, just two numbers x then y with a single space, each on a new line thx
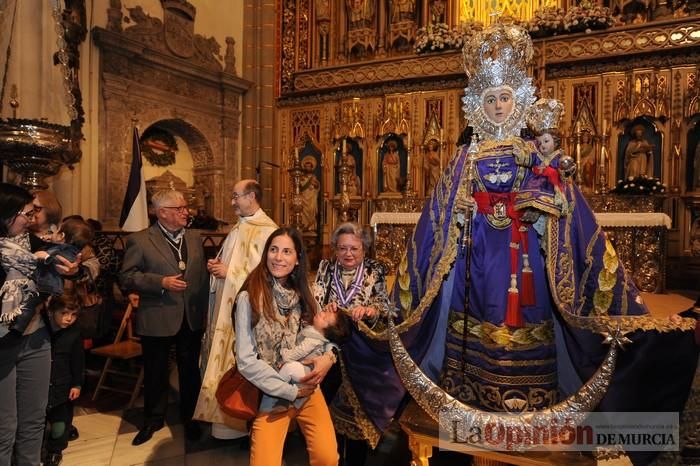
270 430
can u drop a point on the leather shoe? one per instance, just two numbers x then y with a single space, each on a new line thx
73 434
54 459
193 431
146 433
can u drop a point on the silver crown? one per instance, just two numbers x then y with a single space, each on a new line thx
498 56
545 114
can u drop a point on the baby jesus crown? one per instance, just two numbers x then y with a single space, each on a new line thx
545 114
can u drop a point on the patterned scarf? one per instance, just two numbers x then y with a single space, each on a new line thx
272 336
19 264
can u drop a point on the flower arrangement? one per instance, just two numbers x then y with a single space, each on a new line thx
547 21
551 20
587 17
639 185
439 36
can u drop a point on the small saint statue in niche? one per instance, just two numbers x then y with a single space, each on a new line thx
639 155
695 237
402 10
432 165
391 166
587 162
437 11
354 183
360 13
309 187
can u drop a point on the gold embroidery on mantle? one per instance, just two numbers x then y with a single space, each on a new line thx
502 399
494 336
360 427
513 380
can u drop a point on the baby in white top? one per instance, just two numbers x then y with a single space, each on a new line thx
312 341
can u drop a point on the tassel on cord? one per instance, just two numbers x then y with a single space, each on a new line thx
514 317
527 283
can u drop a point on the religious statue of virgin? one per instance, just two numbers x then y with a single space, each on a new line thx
500 318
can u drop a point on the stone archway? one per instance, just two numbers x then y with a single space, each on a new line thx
202 159
144 82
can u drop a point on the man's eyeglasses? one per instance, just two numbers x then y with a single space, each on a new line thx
236 195
183 209
29 215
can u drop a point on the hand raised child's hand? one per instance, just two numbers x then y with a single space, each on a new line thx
74 393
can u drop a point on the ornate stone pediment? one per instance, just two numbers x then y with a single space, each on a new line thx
174 35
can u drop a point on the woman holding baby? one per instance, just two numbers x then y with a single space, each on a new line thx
274 303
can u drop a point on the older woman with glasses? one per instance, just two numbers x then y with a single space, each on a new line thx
355 284
25 351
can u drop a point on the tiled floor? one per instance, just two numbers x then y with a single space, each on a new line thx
105 440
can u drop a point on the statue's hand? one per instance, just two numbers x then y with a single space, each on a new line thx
462 207
464 204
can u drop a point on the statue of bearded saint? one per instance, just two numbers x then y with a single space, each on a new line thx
360 13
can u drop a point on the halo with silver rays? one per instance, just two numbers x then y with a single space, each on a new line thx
498 57
458 419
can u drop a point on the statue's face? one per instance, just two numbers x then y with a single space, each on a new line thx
546 143
639 132
498 104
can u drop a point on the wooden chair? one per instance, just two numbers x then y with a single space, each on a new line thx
124 349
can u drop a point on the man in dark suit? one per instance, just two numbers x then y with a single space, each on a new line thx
165 265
